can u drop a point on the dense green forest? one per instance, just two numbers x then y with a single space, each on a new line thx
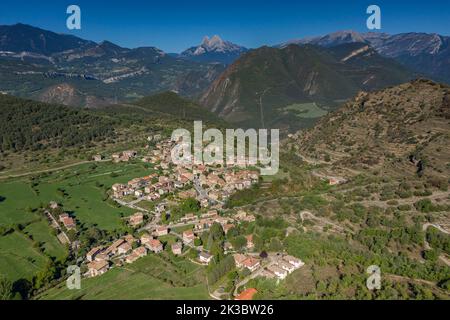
32 125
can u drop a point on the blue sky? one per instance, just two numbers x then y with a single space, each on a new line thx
176 25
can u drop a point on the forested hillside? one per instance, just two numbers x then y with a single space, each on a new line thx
32 125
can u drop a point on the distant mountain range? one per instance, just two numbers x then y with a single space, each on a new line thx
290 86
426 53
53 67
214 50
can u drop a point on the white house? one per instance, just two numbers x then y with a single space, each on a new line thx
297 263
280 273
205 257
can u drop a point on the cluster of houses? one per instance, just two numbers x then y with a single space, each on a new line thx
124 156
136 219
206 220
126 250
219 182
284 266
122 251
280 269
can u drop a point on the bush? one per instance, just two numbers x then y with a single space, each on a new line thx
404 207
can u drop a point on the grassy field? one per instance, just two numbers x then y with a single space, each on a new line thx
80 190
41 232
84 189
306 110
150 278
18 257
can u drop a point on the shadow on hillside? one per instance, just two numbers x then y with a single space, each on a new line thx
23 288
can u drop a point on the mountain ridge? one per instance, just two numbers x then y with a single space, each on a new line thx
427 53
259 87
391 129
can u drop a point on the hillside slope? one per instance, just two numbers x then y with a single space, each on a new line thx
403 129
426 53
261 87
32 125
171 104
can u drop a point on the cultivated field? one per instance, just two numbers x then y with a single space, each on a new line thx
151 277
81 190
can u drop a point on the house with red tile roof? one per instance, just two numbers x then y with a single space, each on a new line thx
247 294
251 264
96 268
155 246
90 256
161 231
136 254
188 236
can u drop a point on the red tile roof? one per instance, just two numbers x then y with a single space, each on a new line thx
247 294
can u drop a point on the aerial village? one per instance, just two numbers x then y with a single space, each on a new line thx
210 186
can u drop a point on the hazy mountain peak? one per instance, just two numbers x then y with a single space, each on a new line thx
214 49
216 44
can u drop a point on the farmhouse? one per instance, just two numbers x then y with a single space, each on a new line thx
129 238
155 246
251 264
210 214
177 248
67 221
205 257
297 263
96 268
280 273
90 256
188 217
267 274
250 244
136 219
146 238
97 157
102 256
112 249
136 254
286 266
161 231
188 236
124 248
239 259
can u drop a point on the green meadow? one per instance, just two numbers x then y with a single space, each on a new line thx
306 110
151 277
81 190
19 259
